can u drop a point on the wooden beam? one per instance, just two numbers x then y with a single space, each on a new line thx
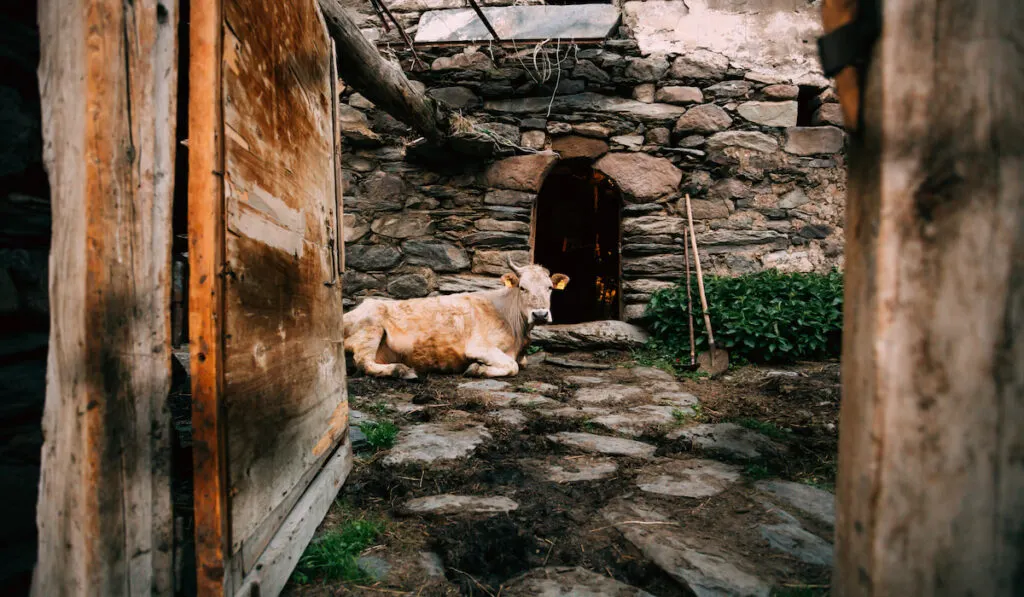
931 473
108 81
381 81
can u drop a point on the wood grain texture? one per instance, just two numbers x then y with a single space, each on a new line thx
931 479
206 296
284 370
108 78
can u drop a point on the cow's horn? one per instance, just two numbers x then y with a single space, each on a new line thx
517 269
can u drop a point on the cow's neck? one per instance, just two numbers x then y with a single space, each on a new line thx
506 302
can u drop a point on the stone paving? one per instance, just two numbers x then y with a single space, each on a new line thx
636 417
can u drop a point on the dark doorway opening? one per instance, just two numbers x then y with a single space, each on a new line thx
577 233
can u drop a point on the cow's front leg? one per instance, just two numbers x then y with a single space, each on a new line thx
491 362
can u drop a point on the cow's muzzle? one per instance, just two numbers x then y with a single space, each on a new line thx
540 316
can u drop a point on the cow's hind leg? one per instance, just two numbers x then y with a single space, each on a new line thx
491 362
365 345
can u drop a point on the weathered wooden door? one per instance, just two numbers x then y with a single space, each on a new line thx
270 412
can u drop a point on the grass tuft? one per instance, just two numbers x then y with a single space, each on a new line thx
380 435
333 555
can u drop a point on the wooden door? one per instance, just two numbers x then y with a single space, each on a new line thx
270 413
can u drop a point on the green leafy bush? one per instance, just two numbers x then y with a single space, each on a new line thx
763 317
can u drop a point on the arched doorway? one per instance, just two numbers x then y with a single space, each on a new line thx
576 232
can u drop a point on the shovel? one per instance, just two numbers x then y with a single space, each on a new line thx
716 360
692 366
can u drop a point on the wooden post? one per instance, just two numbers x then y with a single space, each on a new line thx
381 81
108 82
931 465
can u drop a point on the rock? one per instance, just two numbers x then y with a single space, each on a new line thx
355 281
496 262
509 198
810 231
381 191
708 210
593 335
540 387
790 538
587 71
435 442
730 189
769 113
697 183
705 118
730 89
432 564
644 93
452 284
816 503
638 313
585 380
783 92
745 139
573 469
609 393
463 61
688 478
520 399
653 374
492 225
509 417
727 440
568 582
614 446
632 141
646 70
699 64
482 385
592 129
641 176
460 504
355 228
438 255
793 199
559 128
693 560
739 237
588 102
658 136
678 94
533 139
409 286
577 364
404 225
654 266
641 420
496 240
355 127
372 258
572 146
520 173
460 98
828 114
813 140
374 567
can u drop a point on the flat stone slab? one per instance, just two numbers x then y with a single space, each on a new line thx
483 385
678 399
592 335
688 478
587 102
816 503
460 504
568 582
573 469
791 538
540 387
602 444
609 394
509 416
503 399
586 21
573 412
728 440
639 420
577 364
652 373
585 380
434 442
706 568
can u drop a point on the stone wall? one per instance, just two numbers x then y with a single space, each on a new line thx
756 144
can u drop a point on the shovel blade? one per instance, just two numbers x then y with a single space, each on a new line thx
714 363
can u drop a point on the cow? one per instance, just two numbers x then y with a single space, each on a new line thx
479 334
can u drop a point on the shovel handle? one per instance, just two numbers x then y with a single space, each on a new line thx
700 278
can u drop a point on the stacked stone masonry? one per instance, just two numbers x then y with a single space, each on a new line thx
759 151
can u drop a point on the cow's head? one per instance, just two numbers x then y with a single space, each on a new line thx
534 284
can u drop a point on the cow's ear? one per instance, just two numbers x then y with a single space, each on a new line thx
510 280
559 281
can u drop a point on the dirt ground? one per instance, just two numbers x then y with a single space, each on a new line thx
560 524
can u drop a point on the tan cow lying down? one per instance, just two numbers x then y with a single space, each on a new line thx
479 333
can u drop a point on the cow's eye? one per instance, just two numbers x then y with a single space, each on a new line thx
521 289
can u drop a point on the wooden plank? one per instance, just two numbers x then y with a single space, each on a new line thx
284 377
931 478
275 565
206 300
108 79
